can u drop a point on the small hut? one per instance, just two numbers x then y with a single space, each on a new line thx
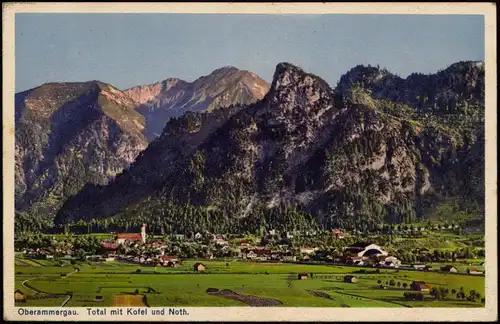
350 279
302 276
19 296
199 267
420 286
449 268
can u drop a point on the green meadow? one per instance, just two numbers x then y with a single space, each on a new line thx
97 283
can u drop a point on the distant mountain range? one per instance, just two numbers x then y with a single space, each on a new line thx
72 134
229 152
173 97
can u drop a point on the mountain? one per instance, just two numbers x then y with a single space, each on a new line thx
306 154
173 97
458 87
70 134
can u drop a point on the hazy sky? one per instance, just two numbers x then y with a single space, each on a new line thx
132 49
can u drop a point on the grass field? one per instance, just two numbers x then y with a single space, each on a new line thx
118 284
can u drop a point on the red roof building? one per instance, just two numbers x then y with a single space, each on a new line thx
129 237
109 246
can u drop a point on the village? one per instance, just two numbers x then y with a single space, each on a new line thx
151 251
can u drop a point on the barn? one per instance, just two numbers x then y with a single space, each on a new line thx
199 267
350 279
19 296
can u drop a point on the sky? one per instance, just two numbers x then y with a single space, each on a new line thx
126 50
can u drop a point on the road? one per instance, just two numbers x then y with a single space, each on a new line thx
68 296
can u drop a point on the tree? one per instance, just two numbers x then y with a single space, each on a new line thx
472 295
436 293
405 285
379 281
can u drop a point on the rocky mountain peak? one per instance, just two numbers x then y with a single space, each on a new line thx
224 87
292 88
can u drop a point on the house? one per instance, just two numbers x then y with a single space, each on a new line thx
244 243
108 246
449 268
262 254
350 279
390 262
180 237
168 260
364 249
199 267
288 258
307 250
474 271
302 276
221 242
420 286
420 267
19 296
128 237
198 236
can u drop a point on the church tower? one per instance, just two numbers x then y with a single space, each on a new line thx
143 233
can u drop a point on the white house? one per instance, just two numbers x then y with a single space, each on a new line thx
364 249
307 250
390 262
221 242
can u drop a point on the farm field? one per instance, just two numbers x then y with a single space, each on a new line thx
232 284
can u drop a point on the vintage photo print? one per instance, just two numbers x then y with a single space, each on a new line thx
249 162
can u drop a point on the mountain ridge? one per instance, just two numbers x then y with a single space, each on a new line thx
173 97
304 144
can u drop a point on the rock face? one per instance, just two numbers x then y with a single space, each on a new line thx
70 134
458 88
173 97
355 155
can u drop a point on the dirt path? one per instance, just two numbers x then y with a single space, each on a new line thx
253 301
36 290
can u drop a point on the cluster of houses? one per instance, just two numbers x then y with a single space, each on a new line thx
153 253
